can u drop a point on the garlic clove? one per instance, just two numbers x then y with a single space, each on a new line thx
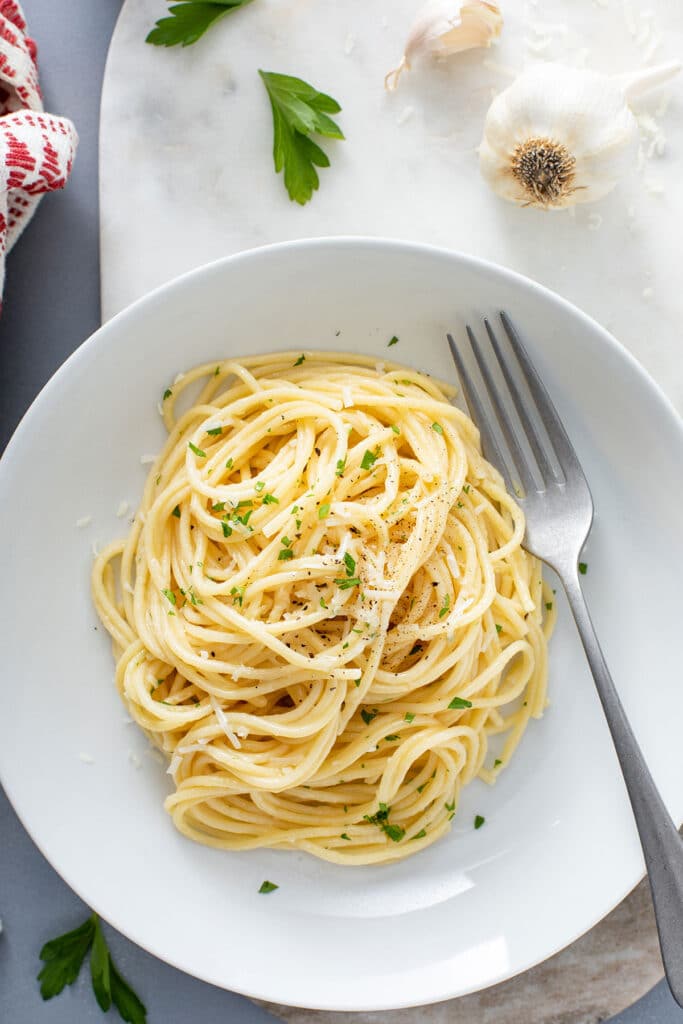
559 136
445 27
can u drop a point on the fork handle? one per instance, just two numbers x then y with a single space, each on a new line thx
662 845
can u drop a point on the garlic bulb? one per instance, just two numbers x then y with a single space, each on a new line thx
443 27
559 136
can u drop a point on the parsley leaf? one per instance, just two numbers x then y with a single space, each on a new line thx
125 1000
437 427
99 969
341 466
189 21
392 341
196 450
285 555
324 510
350 563
479 821
176 512
267 887
64 958
368 716
583 568
409 716
299 110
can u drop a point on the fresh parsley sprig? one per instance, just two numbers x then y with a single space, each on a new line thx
63 958
189 20
299 111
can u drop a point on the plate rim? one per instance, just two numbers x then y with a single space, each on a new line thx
98 337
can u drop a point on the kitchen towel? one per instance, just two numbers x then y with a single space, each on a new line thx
36 149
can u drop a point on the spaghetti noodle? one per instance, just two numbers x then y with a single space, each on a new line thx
323 614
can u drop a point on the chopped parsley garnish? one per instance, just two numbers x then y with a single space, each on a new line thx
393 341
244 504
323 603
499 628
450 807
479 821
167 394
348 583
415 649
215 431
459 702
259 485
445 606
583 568
229 464
419 835
350 564
341 466
368 460
227 530
344 836
170 596
176 512
267 887
286 542
285 555
218 506
437 427
381 819
63 958
497 762
368 716
300 360
549 606
270 499
409 717
324 511
466 489
238 595
396 429
196 450
392 738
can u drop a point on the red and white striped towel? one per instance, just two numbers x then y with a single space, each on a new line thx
36 149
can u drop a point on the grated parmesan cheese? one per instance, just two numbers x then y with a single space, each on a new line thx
83 521
404 116
347 396
122 509
349 44
222 719
147 460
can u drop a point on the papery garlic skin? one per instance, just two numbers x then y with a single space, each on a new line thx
559 136
442 28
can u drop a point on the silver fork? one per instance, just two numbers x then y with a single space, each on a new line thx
558 507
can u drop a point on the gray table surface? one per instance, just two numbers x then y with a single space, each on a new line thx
51 305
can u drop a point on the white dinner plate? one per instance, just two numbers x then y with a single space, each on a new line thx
558 849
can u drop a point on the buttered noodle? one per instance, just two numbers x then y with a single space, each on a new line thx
323 614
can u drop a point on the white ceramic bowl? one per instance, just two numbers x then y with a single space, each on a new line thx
559 848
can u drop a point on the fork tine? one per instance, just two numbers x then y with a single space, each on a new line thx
488 438
536 443
566 456
519 458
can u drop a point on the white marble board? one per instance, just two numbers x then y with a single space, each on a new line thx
186 176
